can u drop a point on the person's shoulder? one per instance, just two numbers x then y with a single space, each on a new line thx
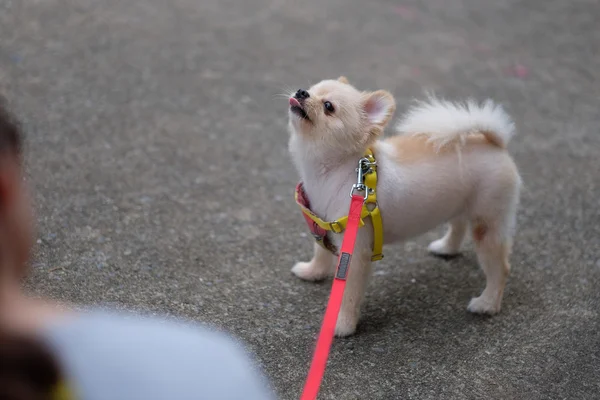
177 357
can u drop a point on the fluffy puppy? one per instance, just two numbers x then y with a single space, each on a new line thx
447 164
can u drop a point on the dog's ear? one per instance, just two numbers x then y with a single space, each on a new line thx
343 79
379 107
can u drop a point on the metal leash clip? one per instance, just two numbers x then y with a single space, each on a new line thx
364 167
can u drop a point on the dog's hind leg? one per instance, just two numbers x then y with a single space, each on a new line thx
450 244
493 231
492 253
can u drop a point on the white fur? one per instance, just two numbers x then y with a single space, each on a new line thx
480 187
444 121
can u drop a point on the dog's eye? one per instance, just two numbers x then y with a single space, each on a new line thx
328 107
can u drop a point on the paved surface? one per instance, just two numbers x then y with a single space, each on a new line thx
157 153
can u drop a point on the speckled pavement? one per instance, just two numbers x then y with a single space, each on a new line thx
157 153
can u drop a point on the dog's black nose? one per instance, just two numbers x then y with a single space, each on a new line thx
302 94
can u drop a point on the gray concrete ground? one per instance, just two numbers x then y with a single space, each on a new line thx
157 154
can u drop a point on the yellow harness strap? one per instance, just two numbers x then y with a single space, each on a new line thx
369 209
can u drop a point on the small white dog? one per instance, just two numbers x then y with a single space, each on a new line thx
447 164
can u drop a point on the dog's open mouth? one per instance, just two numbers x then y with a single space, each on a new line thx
297 109
299 112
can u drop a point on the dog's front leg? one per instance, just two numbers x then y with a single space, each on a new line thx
320 267
358 277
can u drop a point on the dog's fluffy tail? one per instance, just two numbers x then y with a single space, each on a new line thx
445 122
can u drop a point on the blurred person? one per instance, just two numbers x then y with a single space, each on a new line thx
49 353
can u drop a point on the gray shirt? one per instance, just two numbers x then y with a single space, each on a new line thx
108 356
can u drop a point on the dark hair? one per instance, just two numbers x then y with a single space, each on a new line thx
11 138
28 370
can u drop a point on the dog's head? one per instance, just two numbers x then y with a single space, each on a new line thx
335 114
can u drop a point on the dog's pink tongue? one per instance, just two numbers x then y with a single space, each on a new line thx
294 102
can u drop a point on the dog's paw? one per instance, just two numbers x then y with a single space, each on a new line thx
440 248
482 305
346 325
308 272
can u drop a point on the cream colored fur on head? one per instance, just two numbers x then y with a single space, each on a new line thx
357 120
447 164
